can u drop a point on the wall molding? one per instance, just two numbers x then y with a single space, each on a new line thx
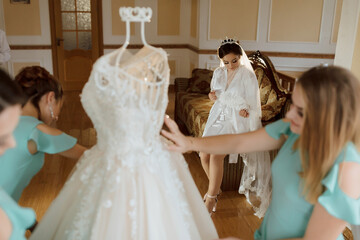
333 22
138 46
45 37
298 55
29 47
347 33
43 56
296 42
214 51
256 40
150 28
321 47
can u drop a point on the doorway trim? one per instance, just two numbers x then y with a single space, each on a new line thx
98 20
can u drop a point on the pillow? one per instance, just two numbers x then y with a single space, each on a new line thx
270 110
200 81
265 88
272 97
259 72
264 94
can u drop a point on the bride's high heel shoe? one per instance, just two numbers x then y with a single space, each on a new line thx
212 197
220 192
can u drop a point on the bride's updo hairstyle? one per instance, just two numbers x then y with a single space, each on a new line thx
35 82
229 46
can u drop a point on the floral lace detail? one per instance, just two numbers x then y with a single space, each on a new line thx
128 104
258 187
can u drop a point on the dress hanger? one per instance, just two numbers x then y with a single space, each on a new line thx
136 14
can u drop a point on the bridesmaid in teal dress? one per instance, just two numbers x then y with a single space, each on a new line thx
316 174
14 220
34 134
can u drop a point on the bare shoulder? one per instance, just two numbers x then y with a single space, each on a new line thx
48 130
349 174
6 228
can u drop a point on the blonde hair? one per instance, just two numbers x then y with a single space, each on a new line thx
331 120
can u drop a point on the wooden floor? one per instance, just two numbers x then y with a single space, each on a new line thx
234 216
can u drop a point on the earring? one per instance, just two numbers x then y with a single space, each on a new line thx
51 112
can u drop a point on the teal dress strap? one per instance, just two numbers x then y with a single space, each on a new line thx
334 200
278 128
20 218
52 143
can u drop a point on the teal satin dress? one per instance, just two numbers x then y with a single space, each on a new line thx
18 166
289 213
20 218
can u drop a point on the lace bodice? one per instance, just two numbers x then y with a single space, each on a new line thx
126 98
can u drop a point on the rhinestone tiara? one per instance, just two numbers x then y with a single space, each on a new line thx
229 41
135 14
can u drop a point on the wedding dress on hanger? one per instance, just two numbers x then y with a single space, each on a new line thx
128 186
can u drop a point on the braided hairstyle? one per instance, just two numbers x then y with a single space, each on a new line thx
36 81
10 92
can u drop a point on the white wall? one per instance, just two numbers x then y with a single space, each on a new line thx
347 33
323 46
184 57
43 56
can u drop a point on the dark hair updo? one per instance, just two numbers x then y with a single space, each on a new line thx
36 81
227 48
10 92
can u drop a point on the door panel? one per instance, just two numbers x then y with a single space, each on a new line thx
77 67
77 40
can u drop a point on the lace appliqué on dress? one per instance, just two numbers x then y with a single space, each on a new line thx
103 166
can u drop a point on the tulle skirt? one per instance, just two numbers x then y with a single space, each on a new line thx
141 196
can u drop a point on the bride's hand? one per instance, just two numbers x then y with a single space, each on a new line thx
244 113
212 96
181 143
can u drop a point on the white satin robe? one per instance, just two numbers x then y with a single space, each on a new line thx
242 93
224 118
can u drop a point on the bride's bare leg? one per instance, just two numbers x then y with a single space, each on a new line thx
205 162
216 172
